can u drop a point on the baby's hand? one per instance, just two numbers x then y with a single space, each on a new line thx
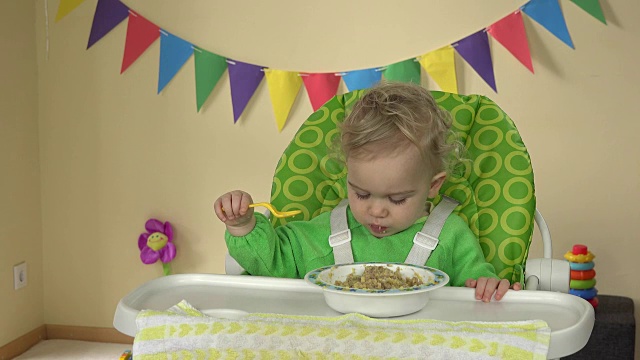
233 210
485 287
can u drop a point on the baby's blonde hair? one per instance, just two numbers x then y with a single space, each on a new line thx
392 116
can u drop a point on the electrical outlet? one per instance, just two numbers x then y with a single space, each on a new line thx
20 275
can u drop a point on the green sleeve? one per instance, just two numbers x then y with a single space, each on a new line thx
288 251
468 260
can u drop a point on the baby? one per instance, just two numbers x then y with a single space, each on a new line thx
395 147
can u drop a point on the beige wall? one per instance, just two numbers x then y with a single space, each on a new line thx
20 218
114 153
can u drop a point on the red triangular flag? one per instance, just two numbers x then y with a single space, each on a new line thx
141 33
510 32
320 87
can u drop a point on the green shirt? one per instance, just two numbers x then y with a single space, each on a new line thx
298 247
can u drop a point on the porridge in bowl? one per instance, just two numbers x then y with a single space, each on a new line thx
379 278
377 289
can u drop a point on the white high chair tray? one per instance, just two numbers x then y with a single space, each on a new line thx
570 318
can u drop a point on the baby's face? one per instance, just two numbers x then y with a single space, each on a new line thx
388 192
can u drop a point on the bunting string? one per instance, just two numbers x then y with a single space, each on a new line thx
284 85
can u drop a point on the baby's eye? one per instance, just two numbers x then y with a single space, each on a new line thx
398 201
362 197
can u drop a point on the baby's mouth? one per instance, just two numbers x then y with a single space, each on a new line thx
377 229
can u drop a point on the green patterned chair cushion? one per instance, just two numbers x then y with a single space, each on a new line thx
495 188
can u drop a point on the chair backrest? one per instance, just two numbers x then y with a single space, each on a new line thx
495 187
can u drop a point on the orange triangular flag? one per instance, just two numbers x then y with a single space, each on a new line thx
510 32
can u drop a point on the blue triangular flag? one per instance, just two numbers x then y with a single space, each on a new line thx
549 14
174 52
361 79
475 50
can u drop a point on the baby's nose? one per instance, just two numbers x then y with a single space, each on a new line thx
377 209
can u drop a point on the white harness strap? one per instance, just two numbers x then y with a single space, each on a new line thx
340 238
424 242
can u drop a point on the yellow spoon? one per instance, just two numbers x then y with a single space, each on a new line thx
276 213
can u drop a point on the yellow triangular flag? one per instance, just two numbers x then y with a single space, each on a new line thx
440 65
67 6
283 89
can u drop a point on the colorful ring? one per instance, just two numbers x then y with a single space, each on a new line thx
579 258
583 275
585 294
581 266
582 284
594 302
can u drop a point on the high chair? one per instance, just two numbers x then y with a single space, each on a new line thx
494 186
496 192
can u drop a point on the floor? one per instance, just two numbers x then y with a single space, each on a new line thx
74 350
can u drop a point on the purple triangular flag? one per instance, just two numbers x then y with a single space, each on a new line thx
475 50
244 80
109 13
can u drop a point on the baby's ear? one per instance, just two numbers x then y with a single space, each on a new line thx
436 184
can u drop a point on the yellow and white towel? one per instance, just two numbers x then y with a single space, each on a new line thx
183 332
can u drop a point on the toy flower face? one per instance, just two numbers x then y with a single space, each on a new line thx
157 241
156 244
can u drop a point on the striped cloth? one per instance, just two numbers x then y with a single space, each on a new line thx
183 332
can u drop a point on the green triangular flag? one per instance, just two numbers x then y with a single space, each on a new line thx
209 69
405 71
592 7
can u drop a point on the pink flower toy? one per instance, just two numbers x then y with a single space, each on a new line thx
157 243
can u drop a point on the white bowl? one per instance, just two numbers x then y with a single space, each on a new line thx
376 303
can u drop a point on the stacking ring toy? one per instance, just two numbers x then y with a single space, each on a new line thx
581 266
579 258
583 275
582 284
585 294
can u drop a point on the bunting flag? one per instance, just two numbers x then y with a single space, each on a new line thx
244 80
593 8
362 79
320 87
141 33
549 14
174 52
209 68
67 6
109 13
509 31
475 50
284 87
404 71
441 66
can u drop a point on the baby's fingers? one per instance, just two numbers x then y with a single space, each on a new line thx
470 283
503 286
481 284
490 288
218 209
516 286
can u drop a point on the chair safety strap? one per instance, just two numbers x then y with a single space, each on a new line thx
340 238
426 240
